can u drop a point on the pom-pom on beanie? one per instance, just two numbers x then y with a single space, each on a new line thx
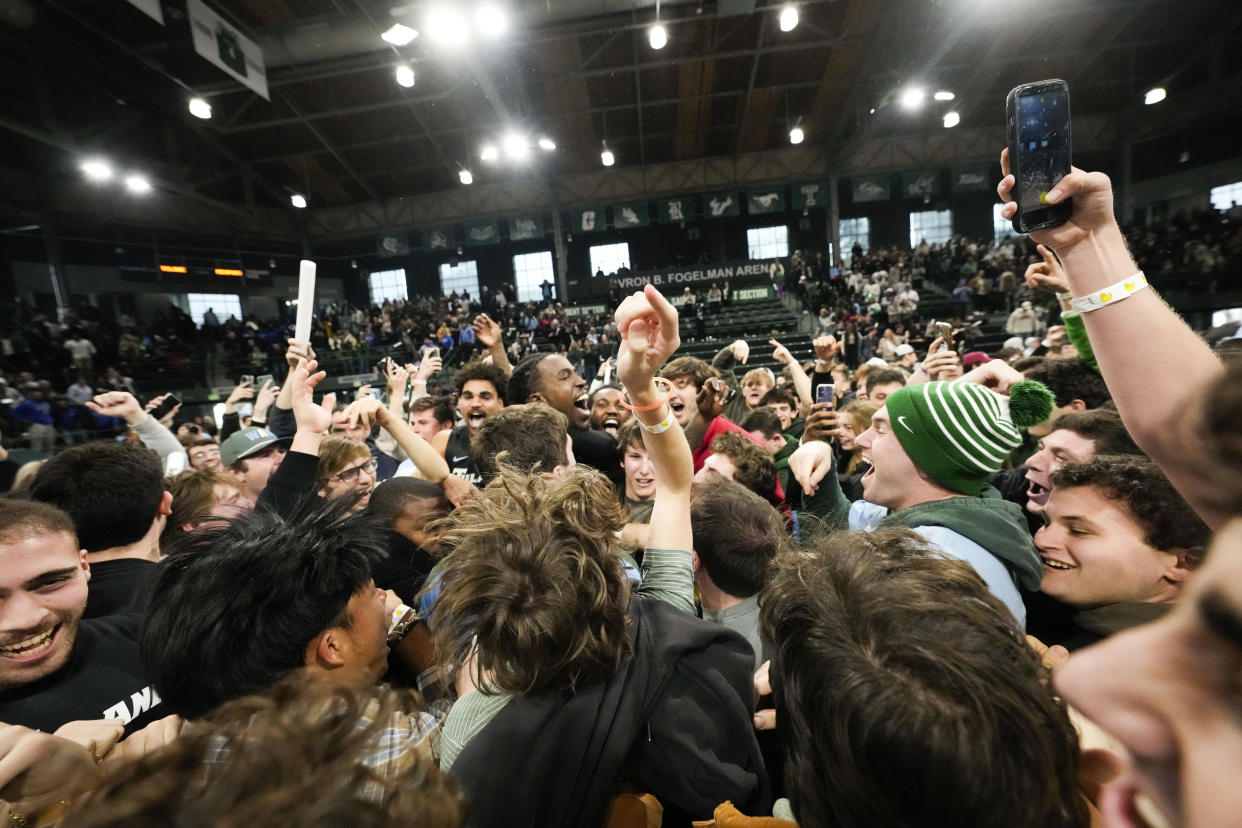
958 433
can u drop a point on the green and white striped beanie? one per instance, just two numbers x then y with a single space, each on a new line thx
958 433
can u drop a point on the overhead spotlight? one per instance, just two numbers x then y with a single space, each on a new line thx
489 153
873 110
200 108
951 119
405 75
298 200
271 263
657 36
97 169
465 177
491 21
516 147
353 263
446 27
796 135
547 144
1155 96
137 184
399 35
912 98
789 18
944 95
607 158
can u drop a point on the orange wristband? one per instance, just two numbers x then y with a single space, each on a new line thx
624 403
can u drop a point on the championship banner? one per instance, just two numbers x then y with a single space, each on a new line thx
439 238
677 210
720 205
871 188
482 232
746 271
527 227
809 196
227 48
920 184
630 215
392 244
588 220
761 202
971 179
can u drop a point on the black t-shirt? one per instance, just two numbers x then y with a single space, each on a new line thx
598 449
457 453
118 587
101 680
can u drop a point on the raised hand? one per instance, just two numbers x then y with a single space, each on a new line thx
298 350
430 365
780 353
486 330
367 411
266 396
826 348
121 404
649 336
397 377
1093 206
712 399
243 391
315 419
1048 273
823 423
740 350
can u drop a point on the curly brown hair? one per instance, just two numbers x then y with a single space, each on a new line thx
294 756
754 467
534 580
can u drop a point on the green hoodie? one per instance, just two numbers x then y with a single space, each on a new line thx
990 521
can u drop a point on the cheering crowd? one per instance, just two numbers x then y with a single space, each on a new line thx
937 589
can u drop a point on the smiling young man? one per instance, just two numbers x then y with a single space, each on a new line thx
607 413
689 376
1118 545
480 394
56 667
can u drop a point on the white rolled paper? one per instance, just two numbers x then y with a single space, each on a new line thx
306 300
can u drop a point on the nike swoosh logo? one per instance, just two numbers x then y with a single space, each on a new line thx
904 424
463 457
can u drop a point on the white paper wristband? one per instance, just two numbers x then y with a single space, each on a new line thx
1113 293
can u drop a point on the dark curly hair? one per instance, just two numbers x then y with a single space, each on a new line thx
525 379
294 756
535 581
1069 380
482 371
1168 521
754 467
910 695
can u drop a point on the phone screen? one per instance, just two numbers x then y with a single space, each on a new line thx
170 402
1043 144
825 392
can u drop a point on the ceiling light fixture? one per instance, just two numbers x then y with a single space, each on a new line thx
516 147
944 95
951 119
489 153
465 177
137 184
912 98
1155 95
547 144
405 75
491 21
446 27
607 158
789 18
796 135
298 201
657 36
97 169
399 35
199 108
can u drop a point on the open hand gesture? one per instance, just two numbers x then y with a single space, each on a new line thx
302 381
1048 273
649 336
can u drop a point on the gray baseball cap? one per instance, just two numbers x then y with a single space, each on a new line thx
248 441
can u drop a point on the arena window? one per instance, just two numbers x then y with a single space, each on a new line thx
609 257
768 242
388 284
223 305
463 276
932 226
529 272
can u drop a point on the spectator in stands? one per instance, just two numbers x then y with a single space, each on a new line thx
892 728
80 392
1022 322
34 415
82 350
737 534
1118 545
115 495
55 666
882 384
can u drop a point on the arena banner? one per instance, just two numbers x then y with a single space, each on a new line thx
810 195
922 185
392 244
972 179
439 238
762 202
482 232
630 215
526 227
678 210
226 47
871 188
694 275
588 219
720 205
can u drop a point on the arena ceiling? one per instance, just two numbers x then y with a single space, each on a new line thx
99 77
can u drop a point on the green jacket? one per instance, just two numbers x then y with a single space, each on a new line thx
990 521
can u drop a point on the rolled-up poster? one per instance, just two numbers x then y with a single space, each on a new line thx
306 300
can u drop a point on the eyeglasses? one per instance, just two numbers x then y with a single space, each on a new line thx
348 475
204 454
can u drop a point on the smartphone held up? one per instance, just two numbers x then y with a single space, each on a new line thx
1037 120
